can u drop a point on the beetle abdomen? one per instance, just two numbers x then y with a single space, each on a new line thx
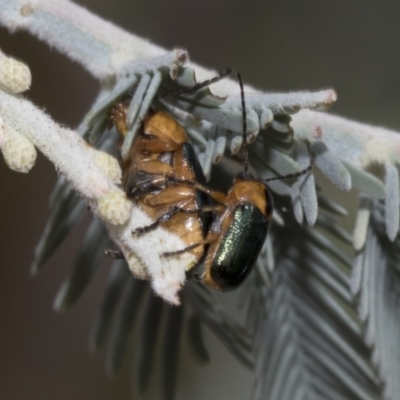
240 246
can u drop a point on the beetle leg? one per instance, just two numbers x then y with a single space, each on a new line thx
175 210
144 229
116 254
139 185
193 271
294 175
163 218
186 249
214 194
200 85
194 274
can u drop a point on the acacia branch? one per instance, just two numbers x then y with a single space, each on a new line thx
108 51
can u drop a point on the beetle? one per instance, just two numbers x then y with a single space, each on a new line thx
237 235
159 152
238 232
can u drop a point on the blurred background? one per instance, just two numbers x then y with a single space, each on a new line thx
278 46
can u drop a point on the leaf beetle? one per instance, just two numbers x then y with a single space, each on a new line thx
160 152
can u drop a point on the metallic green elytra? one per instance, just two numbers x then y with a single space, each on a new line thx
239 247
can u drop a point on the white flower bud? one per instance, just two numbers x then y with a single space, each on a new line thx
114 207
19 153
15 76
109 165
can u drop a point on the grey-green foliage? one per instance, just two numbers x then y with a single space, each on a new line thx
375 283
310 337
305 337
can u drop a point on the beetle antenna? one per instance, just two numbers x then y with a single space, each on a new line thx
199 85
244 116
296 174
209 82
